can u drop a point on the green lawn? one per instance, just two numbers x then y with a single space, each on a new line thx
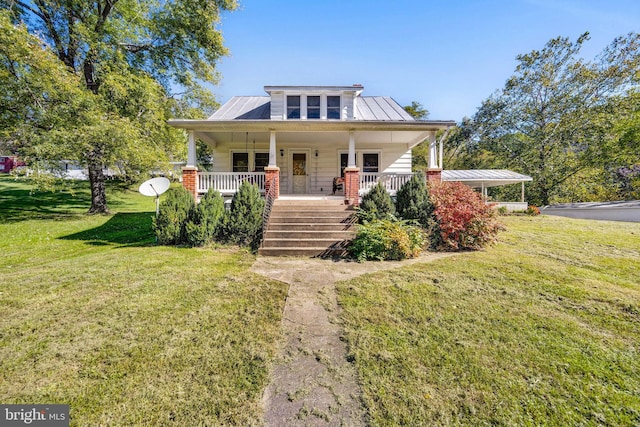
541 329
95 315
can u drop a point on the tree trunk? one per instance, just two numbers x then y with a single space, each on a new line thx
96 180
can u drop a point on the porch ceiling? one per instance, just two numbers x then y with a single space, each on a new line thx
334 137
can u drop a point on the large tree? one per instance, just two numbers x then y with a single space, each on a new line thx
556 116
128 57
416 110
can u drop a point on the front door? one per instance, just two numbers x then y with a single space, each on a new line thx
299 167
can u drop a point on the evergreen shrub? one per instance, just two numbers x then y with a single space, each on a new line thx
205 219
243 222
376 204
413 202
173 214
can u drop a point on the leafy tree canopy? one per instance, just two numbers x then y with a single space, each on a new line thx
417 111
106 83
558 114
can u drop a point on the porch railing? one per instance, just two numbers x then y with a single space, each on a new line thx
270 197
391 181
227 183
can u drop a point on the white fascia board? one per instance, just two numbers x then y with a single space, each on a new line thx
309 125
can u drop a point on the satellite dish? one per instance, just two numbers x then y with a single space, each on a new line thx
154 188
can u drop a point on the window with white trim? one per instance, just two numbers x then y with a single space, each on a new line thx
261 161
371 162
240 162
333 107
293 107
313 107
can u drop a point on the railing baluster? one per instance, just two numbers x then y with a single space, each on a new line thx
229 182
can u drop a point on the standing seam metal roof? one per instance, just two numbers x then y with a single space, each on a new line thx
367 108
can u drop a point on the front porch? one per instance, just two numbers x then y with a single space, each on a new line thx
228 183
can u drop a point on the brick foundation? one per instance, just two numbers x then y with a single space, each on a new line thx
434 176
352 186
272 173
190 180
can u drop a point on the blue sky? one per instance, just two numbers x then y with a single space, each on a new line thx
448 55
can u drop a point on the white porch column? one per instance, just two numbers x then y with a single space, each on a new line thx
351 160
433 152
192 158
441 153
273 160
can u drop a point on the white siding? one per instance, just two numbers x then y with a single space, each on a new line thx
347 106
277 106
397 165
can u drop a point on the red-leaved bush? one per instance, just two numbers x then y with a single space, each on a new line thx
464 220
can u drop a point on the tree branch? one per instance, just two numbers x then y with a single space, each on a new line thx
47 20
104 14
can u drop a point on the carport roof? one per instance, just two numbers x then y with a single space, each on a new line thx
479 178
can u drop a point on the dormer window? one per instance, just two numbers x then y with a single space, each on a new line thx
313 107
333 107
293 107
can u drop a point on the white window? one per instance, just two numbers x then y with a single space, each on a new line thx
240 162
261 161
293 107
370 162
313 107
333 107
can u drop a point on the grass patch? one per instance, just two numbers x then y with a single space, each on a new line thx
540 329
97 316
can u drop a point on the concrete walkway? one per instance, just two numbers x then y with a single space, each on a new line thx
312 384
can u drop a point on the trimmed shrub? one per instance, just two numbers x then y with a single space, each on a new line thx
464 220
413 202
243 222
205 219
376 204
387 239
170 224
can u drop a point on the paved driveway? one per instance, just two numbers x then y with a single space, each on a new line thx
611 211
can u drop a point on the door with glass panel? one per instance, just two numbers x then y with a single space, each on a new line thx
299 173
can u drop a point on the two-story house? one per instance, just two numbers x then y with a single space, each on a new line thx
308 140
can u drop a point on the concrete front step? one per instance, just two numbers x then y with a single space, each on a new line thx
305 243
279 219
310 212
311 208
303 252
308 234
310 226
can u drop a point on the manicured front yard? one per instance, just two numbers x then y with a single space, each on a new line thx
541 329
95 315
